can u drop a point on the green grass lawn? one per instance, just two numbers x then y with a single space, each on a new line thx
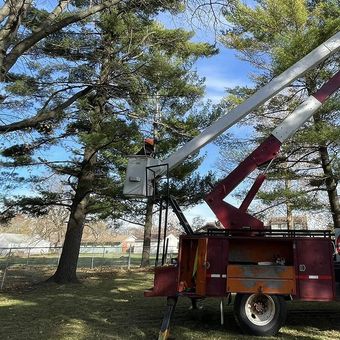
85 260
110 305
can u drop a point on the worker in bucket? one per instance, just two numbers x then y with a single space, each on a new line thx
148 148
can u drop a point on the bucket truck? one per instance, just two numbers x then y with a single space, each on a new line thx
262 267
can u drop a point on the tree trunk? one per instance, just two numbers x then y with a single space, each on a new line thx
330 180
147 234
67 267
289 205
150 203
331 185
290 224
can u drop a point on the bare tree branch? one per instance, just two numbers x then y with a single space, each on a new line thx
51 25
17 10
4 10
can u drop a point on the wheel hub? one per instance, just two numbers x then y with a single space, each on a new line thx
260 309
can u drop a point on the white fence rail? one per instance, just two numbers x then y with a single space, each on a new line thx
16 263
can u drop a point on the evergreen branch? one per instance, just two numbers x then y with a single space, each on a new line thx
277 204
42 162
47 140
179 133
8 209
54 94
308 169
65 171
94 153
299 160
132 221
130 51
42 116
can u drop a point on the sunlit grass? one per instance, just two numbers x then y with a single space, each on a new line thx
5 302
110 305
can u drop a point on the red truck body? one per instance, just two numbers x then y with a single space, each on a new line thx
216 265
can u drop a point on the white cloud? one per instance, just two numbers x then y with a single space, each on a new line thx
201 210
218 78
216 84
215 99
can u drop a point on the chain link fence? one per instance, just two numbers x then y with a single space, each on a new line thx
27 265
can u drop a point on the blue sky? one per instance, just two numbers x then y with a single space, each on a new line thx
221 71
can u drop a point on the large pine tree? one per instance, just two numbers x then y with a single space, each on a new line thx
116 62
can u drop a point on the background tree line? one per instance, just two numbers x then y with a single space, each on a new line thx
84 100
271 35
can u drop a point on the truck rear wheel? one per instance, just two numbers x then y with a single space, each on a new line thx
260 314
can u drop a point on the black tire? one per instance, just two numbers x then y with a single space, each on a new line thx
260 314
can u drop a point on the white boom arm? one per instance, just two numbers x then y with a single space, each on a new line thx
261 96
136 183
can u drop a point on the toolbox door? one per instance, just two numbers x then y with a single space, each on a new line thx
201 265
314 269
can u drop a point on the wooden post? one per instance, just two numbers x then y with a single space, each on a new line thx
129 259
5 271
92 260
28 256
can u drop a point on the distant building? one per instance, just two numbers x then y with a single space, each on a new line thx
10 241
120 243
110 243
125 242
172 245
280 223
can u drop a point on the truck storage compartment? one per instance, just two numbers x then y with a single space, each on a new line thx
255 250
217 260
314 270
187 265
269 279
203 263
261 266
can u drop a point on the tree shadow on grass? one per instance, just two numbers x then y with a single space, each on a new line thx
103 307
112 306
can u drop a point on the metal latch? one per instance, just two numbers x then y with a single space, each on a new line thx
302 268
134 179
206 265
